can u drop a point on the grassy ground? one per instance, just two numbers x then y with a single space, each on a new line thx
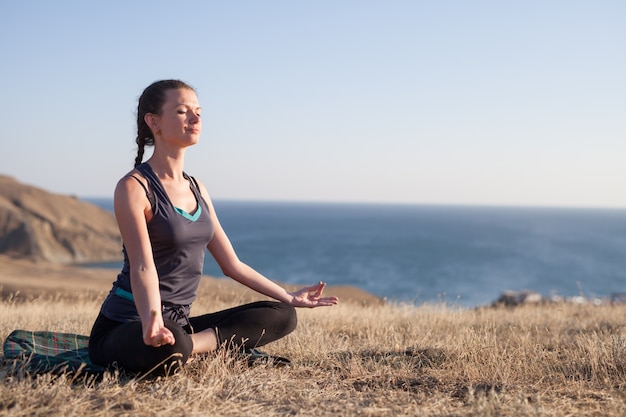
366 359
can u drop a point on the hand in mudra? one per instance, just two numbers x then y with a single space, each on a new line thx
155 333
312 297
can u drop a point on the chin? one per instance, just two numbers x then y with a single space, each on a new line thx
192 141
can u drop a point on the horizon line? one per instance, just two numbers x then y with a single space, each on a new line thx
395 203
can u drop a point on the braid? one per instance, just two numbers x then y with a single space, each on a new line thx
141 145
144 137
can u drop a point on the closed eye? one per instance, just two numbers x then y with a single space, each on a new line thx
182 111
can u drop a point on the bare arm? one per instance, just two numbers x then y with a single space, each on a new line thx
132 211
222 250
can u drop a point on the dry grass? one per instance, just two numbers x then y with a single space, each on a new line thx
354 359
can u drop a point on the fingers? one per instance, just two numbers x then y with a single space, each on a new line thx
167 337
312 297
316 290
328 301
323 302
162 337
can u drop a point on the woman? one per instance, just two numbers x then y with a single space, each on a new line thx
166 220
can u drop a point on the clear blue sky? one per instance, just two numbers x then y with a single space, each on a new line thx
444 102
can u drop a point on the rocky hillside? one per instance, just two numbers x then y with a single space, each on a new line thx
39 225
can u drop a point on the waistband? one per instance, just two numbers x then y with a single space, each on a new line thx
121 292
177 312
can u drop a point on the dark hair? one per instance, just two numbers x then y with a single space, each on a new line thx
151 101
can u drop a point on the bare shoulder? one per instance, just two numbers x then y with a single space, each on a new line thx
132 176
132 190
131 182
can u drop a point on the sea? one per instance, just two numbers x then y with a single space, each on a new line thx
464 256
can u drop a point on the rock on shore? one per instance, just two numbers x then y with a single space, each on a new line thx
42 226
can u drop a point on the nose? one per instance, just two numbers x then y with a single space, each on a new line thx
194 117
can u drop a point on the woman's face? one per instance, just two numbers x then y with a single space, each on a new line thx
179 122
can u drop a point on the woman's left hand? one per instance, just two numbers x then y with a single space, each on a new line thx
312 297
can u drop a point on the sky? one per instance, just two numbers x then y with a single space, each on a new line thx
420 102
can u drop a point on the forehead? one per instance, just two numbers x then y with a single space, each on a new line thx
184 96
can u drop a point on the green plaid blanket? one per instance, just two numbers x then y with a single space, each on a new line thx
45 351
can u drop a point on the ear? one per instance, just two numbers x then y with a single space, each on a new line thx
152 120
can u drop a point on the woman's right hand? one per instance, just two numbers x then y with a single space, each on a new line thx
155 333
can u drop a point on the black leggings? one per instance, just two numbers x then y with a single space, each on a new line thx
246 326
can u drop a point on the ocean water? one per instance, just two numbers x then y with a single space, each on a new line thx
462 255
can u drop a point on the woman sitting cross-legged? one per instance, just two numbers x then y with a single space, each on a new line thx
166 220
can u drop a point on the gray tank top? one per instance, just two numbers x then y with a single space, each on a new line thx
178 242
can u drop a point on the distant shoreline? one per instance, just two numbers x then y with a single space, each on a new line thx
107 203
32 279
466 256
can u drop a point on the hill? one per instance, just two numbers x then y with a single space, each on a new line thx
42 226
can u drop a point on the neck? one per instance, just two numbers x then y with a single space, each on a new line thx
168 165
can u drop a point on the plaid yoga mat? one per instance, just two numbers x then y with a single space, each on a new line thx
45 351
